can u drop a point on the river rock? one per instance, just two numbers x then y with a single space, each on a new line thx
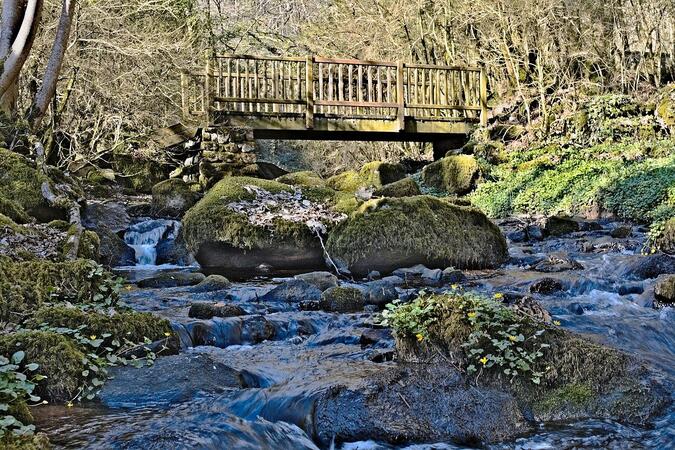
172 198
225 241
110 215
650 266
557 262
212 283
664 291
322 280
401 188
561 225
372 175
150 386
452 275
546 286
621 232
379 293
389 233
453 174
293 291
208 311
375 336
256 329
172 279
113 251
342 300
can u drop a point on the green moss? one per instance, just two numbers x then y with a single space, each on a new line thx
20 182
401 188
32 442
303 179
453 174
89 246
9 223
577 378
210 220
58 358
139 173
342 299
133 326
389 233
664 235
13 210
25 286
373 174
575 394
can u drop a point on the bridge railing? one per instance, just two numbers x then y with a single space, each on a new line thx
334 88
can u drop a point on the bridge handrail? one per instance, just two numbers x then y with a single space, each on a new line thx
336 87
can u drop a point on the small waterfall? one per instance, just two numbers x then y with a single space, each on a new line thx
144 236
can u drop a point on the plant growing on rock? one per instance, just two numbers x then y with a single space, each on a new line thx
494 338
16 387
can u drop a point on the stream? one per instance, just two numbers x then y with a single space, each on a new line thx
253 381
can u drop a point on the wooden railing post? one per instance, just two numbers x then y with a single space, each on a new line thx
207 88
184 86
483 97
309 92
400 95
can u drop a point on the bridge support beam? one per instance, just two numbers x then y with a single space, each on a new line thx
441 147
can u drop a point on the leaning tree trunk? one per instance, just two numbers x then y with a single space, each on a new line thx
11 18
20 48
44 96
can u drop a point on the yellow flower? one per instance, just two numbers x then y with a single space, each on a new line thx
69 405
483 360
92 337
499 295
472 314
453 287
167 334
556 323
419 337
513 338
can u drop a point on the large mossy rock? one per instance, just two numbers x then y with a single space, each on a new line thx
172 198
389 233
401 188
454 174
25 286
59 360
226 241
665 241
139 172
21 190
556 375
372 175
304 178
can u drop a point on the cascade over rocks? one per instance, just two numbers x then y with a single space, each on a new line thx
386 234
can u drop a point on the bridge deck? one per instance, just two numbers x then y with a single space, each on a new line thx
343 99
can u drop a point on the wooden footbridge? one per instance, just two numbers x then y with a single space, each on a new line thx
337 99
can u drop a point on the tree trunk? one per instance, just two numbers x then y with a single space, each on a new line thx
21 46
12 11
44 96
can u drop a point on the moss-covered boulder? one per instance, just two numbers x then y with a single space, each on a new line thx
132 326
401 188
342 300
13 210
554 374
389 233
27 285
304 178
372 175
664 291
454 174
58 358
172 198
665 109
21 184
224 239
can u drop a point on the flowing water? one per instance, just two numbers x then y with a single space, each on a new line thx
144 236
254 381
